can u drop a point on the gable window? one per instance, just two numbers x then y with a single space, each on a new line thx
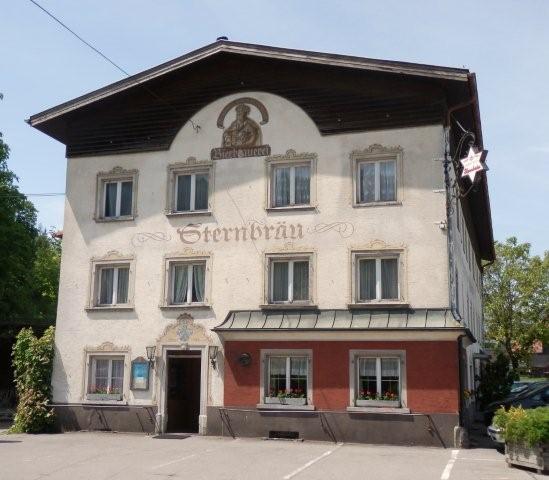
116 195
376 181
113 285
291 185
118 198
378 379
377 278
191 192
289 280
187 283
106 377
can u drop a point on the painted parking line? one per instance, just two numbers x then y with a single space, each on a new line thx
448 469
311 462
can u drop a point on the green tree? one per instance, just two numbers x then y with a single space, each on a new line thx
46 274
516 298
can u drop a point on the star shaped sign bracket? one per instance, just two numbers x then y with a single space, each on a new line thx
474 163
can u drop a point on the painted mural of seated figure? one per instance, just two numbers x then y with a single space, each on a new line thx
243 132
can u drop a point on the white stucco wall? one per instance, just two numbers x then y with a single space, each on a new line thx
237 268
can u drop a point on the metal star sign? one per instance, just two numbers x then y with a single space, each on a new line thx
473 163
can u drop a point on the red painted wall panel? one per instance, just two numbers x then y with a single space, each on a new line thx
432 373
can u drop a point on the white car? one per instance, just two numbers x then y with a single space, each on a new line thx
495 433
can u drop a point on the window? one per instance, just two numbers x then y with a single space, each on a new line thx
106 377
118 198
377 278
376 181
378 378
113 285
287 376
116 195
187 283
191 192
291 185
289 280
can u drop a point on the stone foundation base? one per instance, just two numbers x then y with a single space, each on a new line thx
123 418
433 430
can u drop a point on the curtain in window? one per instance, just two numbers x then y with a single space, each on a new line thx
99 384
367 279
277 375
367 376
201 192
123 278
298 375
387 181
280 281
183 194
106 286
302 185
179 283
199 271
126 198
301 281
367 182
389 278
389 376
282 186
110 199
117 376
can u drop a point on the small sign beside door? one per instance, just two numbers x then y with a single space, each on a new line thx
140 374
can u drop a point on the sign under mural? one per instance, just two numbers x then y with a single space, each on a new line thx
243 137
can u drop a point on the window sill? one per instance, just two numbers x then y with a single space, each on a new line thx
186 306
383 410
110 308
378 204
194 213
377 305
275 406
126 218
90 402
288 306
291 208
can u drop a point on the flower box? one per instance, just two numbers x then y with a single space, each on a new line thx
378 403
536 457
286 401
104 396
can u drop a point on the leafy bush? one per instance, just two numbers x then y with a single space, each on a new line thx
32 363
530 427
496 381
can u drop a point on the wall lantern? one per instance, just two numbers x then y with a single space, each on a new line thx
244 359
213 355
150 354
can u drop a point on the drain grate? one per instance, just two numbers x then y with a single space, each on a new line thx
285 434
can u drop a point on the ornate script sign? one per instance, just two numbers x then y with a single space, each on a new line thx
473 163
243 137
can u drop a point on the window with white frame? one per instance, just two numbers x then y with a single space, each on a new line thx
377 278
187 282
106 375
289 280
290 185
376 181
287 376
378 379
112 285
191 191
117 198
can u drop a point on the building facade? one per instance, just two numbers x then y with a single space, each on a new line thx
266 242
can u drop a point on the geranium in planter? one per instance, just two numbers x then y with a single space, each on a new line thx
374 399
526 434
103 394
293 396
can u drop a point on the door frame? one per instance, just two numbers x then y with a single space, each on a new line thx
163 410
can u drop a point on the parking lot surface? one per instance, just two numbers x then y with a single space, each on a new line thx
116 456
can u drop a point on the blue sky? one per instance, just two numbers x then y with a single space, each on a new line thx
505 42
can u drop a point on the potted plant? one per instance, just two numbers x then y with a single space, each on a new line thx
293 396
526 435
102 394
373 399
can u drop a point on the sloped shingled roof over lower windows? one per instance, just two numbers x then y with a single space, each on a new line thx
261 320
